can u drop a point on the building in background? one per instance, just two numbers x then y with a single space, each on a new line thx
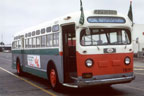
5 48
138 40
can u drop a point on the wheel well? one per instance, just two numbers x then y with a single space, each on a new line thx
49 66
17 60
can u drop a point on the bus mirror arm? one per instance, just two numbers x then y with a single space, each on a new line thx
125 46
98 48
87 30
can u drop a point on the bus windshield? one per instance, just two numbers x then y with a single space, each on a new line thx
103 36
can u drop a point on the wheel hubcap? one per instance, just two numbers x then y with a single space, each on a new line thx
18 68
53 77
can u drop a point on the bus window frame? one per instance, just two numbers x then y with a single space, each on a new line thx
55 28
57 44
34 41
50 29
44 41
38 45
48 40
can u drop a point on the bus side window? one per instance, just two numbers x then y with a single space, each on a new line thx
14 45
38 40
56 39
33 42
19 44
55 28
30 43
49 40
48 29
42 30
26 43
22 42
43 41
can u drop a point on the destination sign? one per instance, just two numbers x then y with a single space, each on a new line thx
106 20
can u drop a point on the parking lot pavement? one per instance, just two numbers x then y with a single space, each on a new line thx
29 85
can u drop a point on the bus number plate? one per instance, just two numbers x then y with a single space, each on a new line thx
127 69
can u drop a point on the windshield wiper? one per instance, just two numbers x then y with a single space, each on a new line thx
107 38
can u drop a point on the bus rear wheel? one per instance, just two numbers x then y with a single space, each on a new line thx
18 67
53 78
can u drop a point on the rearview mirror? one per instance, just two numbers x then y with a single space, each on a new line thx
87 31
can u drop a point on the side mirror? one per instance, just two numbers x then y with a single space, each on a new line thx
88 31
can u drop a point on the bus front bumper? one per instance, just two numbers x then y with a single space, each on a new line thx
105 81
86 83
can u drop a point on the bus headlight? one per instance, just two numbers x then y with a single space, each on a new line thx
127 60
89 63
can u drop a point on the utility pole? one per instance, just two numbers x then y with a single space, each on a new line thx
1 37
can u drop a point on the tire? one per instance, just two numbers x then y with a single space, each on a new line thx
53 79
18 68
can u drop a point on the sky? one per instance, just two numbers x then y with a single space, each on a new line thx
16 15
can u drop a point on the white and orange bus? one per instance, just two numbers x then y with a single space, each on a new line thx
67 53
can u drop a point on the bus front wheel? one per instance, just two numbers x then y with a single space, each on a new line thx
53 78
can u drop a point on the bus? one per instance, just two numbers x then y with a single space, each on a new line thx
67 53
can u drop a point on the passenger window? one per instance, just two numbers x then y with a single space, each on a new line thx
15 44
26 35
38 42
33 33
26 43
43 41
19 44
37 32
56 39
43 31
48 29
49 40
33 42
29 34
30 43
55 28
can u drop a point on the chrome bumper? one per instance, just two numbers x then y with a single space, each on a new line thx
87 83
105 81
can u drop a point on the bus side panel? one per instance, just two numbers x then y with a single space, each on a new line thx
44 59
14 60
16 54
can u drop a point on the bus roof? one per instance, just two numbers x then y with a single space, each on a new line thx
74 18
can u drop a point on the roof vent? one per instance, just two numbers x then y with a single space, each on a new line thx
107 12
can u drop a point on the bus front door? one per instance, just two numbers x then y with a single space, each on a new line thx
69 52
